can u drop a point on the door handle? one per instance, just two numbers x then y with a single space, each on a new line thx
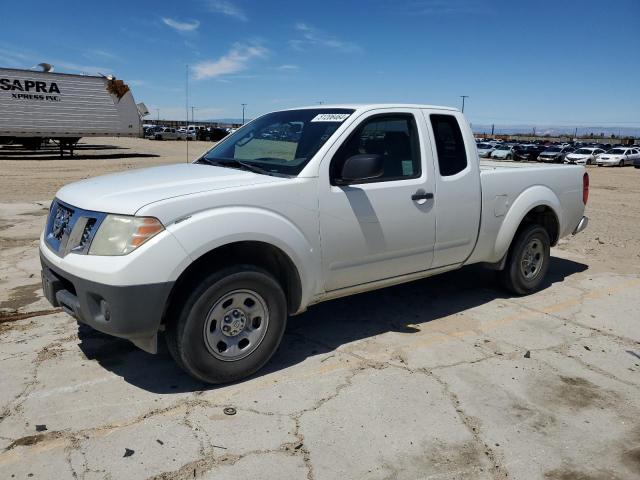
421 196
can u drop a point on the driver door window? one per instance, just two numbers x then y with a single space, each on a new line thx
394 137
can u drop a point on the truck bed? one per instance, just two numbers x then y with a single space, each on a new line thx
508 193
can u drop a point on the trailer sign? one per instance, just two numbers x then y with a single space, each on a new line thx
28 85
16 86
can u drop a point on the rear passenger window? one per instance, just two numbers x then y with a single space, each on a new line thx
452 156
394 137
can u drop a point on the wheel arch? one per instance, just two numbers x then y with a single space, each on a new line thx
538 204
257 253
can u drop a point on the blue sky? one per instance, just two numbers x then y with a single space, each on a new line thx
562 62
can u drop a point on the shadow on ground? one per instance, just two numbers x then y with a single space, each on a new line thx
326 326
50 152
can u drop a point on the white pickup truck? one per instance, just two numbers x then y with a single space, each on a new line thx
295 208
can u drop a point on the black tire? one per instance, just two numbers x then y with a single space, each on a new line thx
621 163
513 277
186 338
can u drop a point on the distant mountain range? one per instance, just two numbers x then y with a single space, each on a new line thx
551 130
226 120
554 130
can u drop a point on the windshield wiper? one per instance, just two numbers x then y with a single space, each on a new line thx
233 163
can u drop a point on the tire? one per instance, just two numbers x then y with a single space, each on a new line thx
509 157
196 340
621 164
588 162
531 239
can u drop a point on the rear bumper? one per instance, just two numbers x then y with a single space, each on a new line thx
133 312
582 224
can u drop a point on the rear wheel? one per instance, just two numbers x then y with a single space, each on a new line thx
229 325
527 260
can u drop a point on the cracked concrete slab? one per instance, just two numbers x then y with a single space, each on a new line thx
424 380
412 430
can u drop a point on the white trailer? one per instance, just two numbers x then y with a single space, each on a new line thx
38 105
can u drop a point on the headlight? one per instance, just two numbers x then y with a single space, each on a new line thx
120 234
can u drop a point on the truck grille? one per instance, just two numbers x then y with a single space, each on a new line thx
70 229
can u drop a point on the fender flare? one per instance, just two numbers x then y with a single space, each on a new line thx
252 224
532 197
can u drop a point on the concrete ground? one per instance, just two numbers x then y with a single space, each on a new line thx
444 378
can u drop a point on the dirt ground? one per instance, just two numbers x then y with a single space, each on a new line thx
443 378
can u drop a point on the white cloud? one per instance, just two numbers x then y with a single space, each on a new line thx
226 8
92 53
235 60
181 27
312 36
287 67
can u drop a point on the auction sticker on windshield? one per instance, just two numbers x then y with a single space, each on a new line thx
330 117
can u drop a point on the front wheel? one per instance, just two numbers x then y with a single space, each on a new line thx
230 324
588 162
527 260
621 164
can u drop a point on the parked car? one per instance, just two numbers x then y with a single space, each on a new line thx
169 133
554 154
218 253
618 156
212 134
485 149
150 133
583 156
526 153
503 152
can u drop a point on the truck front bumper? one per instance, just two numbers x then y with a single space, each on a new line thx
133 312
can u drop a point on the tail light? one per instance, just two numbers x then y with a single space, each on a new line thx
585 188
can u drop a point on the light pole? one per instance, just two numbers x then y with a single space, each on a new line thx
463 97
193 118
243 106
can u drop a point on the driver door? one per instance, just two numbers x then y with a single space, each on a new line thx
383 227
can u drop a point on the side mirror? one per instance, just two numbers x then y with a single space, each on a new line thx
359 168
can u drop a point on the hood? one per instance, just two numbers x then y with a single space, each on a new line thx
125 193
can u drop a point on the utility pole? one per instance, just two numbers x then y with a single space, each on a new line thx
186 102
243 107
463 97
492 128
193 118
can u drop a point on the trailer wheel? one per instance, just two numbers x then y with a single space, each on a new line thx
527 260
229 325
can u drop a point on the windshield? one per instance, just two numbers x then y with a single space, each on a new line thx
280 142
504 147
485 146
616 151
584 151
554 149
